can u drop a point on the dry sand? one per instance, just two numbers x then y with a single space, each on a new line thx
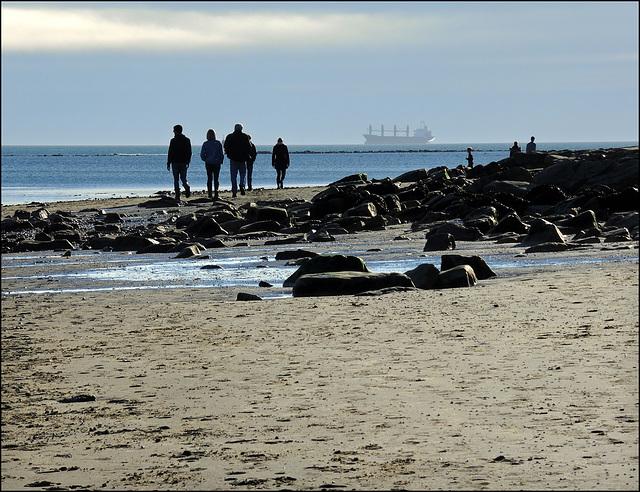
525 381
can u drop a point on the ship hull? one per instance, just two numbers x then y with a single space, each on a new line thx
390 139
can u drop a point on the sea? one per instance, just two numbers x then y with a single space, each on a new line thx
45 174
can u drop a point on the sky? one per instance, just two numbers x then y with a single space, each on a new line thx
123 73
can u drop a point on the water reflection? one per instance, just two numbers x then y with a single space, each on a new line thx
100 271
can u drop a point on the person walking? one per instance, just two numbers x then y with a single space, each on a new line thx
470 158
280 161
178 159
237 146
252 158
531 146
211 154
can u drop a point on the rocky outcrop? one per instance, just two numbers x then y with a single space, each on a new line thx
327 264
346 283
533 198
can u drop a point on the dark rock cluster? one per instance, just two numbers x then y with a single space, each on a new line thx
533 199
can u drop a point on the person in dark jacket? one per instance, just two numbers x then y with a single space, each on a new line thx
237 146
252 159
470 157
179 158
280 161
211 154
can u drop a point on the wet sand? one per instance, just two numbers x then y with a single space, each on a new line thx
526 381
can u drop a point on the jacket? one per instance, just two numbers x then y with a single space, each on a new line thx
211 152
237 146
179 150
280 156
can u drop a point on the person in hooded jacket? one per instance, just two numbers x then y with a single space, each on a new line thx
212 155
280 161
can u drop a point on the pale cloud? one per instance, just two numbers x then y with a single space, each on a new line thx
85 29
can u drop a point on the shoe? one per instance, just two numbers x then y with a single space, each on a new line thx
216 197
241 190
187 190
233 196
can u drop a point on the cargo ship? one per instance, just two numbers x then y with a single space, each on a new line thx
420 135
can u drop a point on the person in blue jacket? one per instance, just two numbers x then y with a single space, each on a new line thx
212 155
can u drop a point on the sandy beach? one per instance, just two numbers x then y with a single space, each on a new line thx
526 381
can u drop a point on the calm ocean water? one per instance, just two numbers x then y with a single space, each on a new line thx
56 173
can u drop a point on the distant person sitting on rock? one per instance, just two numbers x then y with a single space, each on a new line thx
470 157
531 146
515 149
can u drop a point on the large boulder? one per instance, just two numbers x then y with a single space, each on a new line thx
424 276
327 264
480 267
264 213
542 231
440 242
459 276
346 283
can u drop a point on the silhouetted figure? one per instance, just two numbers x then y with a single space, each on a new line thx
178 159
470 157
280 161
237 146
252 159
531 146
515 149
211 154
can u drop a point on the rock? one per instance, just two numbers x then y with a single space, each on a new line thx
459 276
242 296
550 247
584 220
31 245
424 276
573 174
264 213
619 234
440 242
112 218
547 194
132 243
326 264
298 253
509 223
189 251
518 188
321 236
205 227
458 231
411 176
366 209
480 267
346 283
260 226
542 231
